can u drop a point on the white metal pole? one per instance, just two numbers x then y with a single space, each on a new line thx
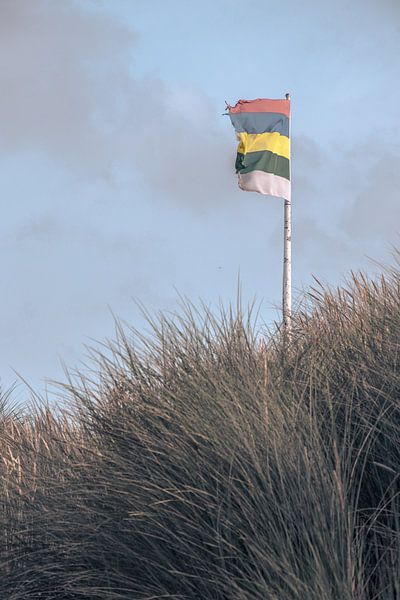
287 259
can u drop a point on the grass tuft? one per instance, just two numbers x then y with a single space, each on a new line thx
209 462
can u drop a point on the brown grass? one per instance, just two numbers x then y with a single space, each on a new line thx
208 461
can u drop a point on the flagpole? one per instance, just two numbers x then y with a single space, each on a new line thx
287 259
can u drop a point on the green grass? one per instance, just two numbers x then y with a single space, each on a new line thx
210 461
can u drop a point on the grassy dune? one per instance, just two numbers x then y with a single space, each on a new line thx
207 462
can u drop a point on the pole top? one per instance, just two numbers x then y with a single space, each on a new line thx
287 96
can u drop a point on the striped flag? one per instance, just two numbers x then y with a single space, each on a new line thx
263 154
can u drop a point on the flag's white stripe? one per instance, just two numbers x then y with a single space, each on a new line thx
265 183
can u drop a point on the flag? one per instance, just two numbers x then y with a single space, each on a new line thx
263 154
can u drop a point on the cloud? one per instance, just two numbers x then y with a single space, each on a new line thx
375 213
69 91
346 208
47 230
55 62
386 6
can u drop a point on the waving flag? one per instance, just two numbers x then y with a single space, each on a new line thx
263 155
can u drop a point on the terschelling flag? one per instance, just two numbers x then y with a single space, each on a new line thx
263 154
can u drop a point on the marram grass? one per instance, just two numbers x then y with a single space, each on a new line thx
210 462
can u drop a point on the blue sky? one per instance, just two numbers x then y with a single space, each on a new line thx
116 164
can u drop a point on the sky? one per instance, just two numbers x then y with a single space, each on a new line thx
117 174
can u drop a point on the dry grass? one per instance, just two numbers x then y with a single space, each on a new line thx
208 462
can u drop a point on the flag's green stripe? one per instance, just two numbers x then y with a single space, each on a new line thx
263 161
260 122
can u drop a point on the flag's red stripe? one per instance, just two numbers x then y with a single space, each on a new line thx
262 105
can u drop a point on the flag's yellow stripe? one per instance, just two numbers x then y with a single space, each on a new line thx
256 142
